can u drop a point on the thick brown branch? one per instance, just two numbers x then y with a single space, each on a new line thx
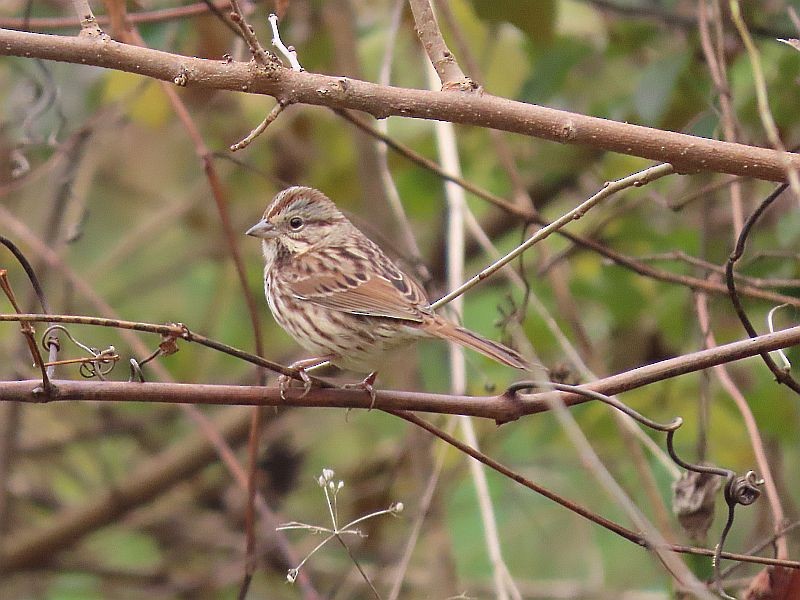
688 153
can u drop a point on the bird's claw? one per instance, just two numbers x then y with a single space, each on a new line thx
285 381
367 386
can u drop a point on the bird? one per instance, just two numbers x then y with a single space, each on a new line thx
341 297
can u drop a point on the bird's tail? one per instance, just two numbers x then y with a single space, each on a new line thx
449 331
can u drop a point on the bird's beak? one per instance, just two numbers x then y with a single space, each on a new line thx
263 229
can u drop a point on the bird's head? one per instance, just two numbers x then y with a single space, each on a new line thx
297 219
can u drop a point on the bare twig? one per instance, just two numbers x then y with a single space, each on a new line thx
432 166
88 22
423 507
27 331
260 56
635 180
450 74
148 16
382 127
758 282
290 53
597 519
273 114
782 375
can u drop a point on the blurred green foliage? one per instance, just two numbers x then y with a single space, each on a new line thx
140 226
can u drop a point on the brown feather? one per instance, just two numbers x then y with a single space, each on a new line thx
376 297
446 330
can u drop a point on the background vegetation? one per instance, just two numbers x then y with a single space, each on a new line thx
95 165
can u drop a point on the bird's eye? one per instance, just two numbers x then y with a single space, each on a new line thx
295 223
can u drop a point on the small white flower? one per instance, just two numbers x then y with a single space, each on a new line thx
291 576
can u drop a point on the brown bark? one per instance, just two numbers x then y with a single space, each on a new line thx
689 154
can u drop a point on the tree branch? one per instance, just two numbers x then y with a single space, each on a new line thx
501 408
450 74
689 154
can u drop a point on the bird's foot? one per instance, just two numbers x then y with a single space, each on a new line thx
367 386
285 382
301 368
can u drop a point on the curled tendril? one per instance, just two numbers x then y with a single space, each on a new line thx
165 348
100 364
739 489
136 372
620 406
744 489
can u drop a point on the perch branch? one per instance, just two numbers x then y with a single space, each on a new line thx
502 408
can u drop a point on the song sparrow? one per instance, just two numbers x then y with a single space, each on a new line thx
339 296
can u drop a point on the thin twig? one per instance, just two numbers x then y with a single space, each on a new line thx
290 53
88 22
418 159
27 331
783 376
260 56
615 528
451 77
757 282
147 16
716 66
273 114
382 126
423 507
636 180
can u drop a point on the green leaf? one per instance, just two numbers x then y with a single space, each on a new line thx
535 19
655 91
74 586
551 70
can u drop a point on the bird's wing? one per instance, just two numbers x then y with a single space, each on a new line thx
375 288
